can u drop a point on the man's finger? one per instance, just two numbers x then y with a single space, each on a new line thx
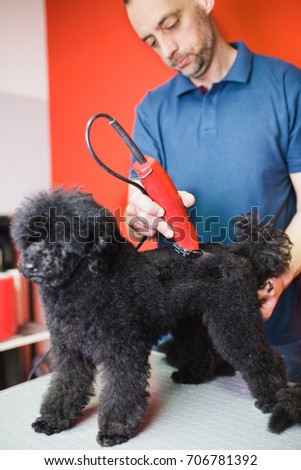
187 198
146 204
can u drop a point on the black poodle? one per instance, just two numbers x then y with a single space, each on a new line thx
107 305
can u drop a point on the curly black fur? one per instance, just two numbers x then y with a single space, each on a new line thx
107 305
287 411
267 248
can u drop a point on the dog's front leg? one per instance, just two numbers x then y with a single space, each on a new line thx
69 391
124 398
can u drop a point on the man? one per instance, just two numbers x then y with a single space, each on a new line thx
227 129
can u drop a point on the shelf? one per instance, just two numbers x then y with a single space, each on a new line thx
30 333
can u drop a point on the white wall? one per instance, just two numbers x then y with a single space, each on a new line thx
24 123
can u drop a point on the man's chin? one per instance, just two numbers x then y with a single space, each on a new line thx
190 73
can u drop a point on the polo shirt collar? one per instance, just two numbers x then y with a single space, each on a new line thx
183 85
239 72
241 69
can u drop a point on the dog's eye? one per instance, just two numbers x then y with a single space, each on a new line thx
30 239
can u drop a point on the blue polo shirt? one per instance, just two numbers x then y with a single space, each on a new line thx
233 148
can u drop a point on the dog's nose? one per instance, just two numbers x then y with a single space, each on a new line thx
30 267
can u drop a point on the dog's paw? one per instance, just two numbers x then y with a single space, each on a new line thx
280 420
264 406
47 426
287 411
108 440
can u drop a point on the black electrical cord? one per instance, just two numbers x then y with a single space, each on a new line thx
126 138
132 146
38 363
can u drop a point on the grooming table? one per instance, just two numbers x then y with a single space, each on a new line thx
216 415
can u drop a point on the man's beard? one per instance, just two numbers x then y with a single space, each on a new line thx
196 69
202 53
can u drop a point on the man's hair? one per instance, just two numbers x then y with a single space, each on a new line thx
126 2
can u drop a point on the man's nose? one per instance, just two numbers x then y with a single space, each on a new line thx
168 48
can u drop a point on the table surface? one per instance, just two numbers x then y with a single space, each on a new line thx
216 415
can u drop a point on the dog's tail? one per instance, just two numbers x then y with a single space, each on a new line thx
268 249
287 410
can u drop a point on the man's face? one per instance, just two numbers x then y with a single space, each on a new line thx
180 32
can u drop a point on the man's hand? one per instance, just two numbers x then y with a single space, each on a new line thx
282 282
271 292
144 216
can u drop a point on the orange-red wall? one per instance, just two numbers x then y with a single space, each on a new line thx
97 64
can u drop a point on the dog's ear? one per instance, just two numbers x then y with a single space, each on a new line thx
107 241
28 223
